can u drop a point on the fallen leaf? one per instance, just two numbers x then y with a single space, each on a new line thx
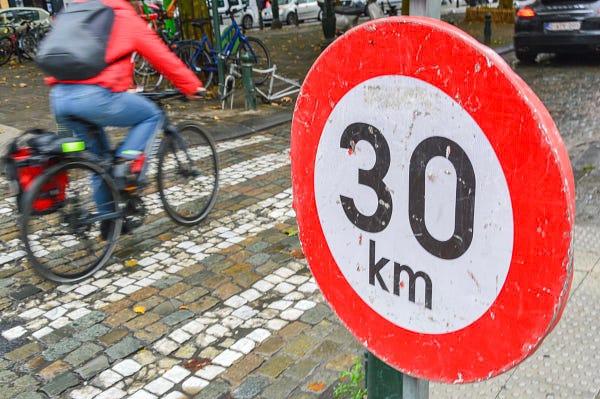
197 363
297 253
22 85
130 263
183 307
216 118
139 309
316 386
290 232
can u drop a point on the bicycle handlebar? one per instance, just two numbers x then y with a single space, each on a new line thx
161 95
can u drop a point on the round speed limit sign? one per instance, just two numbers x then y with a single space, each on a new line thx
434 197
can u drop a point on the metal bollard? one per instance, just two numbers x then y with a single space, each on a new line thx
248 82
487 29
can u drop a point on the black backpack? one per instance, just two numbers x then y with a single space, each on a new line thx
75 48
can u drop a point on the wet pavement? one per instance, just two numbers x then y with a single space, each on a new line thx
230 307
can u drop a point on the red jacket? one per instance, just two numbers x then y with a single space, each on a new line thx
131 33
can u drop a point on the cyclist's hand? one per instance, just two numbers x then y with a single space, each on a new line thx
200 93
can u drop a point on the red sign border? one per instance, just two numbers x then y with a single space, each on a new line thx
535 292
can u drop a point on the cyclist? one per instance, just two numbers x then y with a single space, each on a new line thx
105 99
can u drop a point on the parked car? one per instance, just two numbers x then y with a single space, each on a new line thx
557 26
293 11
247 17
518 4
15 15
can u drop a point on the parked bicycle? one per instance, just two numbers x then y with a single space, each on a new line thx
145 76
202 58
69 232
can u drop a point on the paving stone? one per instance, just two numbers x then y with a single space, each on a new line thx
177 317
193 385
6 377
167 307
127 367
25 292
301 368
281 388
56 368
61 348
93 367
114 335
271 345
24 352
60 384
91 333
142 321
29 395
107 379
275 365
176 374
82 354
123 348
112 393
166 282
87 321
142 394
86 392
159 386
242 369
250 388
300 345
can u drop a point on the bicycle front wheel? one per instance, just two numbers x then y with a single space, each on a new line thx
70 221
188 174
144 75
261 59
198 60
5 50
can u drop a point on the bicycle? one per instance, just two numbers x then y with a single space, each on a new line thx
145 76
202 58
68 230
278 87
11 43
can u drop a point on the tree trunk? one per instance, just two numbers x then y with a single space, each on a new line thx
194 10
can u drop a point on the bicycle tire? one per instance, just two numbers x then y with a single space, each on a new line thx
198 60
144 75
188 193
5 50
64 243
261 58
29 45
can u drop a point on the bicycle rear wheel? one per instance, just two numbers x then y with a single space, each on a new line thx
5 50
67 235
261 59
198 60
188 174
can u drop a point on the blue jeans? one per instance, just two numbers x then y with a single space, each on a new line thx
103 108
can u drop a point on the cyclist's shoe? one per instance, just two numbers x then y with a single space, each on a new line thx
134 213
126 173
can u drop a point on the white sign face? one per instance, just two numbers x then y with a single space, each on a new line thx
414 204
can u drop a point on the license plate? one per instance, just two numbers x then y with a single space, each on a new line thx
561 26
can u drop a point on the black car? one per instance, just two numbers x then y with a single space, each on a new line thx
557 26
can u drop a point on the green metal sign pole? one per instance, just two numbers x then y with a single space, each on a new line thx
217 31
385 382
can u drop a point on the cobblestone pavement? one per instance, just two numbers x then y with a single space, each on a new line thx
231 310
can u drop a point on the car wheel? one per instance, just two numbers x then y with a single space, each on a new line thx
526 57
320 16
247 22
292 19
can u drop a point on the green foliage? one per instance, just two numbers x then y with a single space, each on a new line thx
351 385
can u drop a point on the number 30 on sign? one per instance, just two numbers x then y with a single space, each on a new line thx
434 199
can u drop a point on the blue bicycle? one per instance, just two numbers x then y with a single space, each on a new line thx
202 58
